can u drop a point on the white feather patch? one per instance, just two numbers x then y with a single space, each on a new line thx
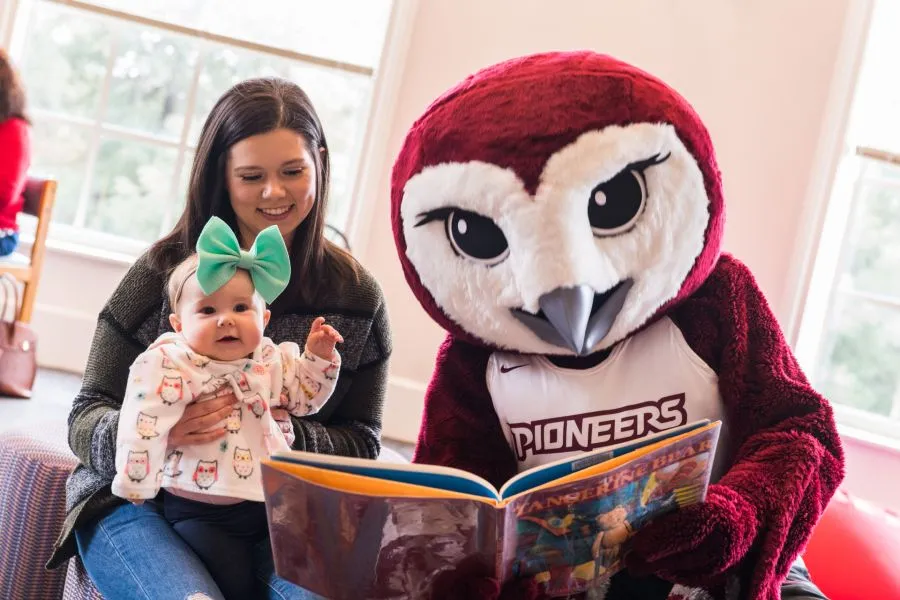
551 243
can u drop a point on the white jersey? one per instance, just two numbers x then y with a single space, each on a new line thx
650 382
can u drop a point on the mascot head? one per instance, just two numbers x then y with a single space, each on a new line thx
556 203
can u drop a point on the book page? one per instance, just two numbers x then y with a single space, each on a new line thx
433 476
341 544
543 474
569 537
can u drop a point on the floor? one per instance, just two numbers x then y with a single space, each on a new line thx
46 412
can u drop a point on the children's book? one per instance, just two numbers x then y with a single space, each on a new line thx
355 528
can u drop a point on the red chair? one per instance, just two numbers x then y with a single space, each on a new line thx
854 553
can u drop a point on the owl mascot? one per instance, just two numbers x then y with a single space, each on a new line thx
560 216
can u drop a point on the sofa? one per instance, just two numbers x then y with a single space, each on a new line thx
33 472
852 555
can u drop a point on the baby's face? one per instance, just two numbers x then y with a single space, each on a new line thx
226 325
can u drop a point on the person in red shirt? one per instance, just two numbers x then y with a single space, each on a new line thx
15 153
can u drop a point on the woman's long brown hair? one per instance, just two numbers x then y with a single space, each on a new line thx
12 94
251 108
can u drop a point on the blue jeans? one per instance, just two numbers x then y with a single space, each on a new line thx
223 536
8 243
133 552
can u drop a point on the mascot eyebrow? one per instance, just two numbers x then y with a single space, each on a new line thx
642 165
639 166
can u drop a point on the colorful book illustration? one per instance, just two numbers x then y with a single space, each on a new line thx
354 528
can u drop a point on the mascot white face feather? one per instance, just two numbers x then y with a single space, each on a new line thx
550 241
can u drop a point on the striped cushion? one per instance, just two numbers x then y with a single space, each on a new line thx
78 585
32 508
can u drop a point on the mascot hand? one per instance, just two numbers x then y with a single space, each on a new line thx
472 579
695 544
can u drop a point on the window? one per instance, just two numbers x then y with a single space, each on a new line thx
118 91
850 333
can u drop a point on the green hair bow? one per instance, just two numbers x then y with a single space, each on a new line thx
220 256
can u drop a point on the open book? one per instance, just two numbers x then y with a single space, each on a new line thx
354 528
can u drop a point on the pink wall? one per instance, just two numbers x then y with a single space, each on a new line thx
873 472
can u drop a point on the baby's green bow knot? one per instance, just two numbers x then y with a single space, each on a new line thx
220 256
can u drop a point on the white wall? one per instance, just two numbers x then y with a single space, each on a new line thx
870 465
757 72
71 293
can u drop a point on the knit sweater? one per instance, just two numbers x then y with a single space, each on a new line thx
137 313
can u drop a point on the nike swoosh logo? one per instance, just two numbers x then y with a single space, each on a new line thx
505 369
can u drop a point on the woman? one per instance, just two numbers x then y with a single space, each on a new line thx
262 159
15 148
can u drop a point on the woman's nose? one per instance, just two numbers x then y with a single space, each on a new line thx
273 189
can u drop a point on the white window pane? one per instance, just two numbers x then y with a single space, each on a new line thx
180 195
222 68
131 187
91 75
64 60
349 31
151 75
873 120
874 243
340 99
60 151
859 356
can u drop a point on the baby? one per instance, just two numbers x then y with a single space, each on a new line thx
213 494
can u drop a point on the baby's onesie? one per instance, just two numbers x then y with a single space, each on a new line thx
169 375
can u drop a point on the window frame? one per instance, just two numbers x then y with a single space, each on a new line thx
16 20
856 165
822 247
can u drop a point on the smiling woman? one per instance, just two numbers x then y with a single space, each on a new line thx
262 160
264 140
265 188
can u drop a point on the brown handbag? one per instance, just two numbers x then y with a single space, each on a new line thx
18 360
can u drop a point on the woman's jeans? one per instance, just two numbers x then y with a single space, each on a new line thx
133 552
8 243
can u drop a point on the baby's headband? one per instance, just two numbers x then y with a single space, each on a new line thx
220 256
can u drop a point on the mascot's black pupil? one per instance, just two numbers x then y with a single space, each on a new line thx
475 236
615 204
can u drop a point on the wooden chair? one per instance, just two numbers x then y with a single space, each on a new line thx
39 196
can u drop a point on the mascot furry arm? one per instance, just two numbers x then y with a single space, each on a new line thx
567 204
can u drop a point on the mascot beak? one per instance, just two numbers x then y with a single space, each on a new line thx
576 318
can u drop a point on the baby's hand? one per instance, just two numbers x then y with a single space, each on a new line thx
322 339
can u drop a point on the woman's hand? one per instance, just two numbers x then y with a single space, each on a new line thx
199 418
283 418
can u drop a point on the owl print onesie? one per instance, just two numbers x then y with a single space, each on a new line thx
169 375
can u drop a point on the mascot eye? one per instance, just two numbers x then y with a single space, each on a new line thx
616 204
470 235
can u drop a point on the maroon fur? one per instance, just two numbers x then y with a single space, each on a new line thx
787 460
787 464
